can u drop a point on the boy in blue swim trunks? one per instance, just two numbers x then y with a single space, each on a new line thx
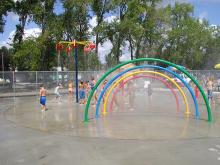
43 98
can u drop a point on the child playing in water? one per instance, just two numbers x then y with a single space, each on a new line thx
92 85
150 92
103 86
196 91
70 88
57 93
88 88
209 86
82 93
43 98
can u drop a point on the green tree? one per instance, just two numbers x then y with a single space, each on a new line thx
75 24
43 15
100 8
27 57
7 54
24 10
213 50
5 6
188 38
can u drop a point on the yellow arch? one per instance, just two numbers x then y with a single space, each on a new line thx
151 72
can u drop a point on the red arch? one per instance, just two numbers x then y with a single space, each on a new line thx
147 76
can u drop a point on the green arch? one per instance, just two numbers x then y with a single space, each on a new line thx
151 60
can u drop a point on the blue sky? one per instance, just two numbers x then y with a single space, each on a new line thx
208 9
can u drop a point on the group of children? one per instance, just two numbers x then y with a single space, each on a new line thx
84 89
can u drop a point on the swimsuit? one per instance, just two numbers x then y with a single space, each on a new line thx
43 100
82 94
92 85
210 95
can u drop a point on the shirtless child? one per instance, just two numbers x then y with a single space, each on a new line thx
70 88
209 86
43 98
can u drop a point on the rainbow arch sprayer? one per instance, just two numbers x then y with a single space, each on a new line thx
209 113
119 87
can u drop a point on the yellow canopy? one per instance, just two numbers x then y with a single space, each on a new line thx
217 66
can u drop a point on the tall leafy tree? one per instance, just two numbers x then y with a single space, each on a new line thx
213 49
188 37
7 54
5 6
100 8
75 23
24 10
27 57
43 15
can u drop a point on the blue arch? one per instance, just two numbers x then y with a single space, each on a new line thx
147 66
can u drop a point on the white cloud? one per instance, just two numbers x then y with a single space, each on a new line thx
203 15
4 43
93 21
13 16
125 52
111 19
104 49
33 32
17 0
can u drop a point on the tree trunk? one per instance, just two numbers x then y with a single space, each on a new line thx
118 50
131 47
97 44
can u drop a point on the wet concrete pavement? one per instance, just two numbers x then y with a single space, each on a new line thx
151 133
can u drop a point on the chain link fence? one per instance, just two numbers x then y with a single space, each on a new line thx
203 76
25 83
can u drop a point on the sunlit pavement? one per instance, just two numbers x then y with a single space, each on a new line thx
150 132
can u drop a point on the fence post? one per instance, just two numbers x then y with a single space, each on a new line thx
36 82
13 85
57 76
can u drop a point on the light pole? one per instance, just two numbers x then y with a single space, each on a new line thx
58 64
73 44
3 69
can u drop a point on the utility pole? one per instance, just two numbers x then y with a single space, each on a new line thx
3 69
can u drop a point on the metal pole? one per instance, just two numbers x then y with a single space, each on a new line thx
36 84
76 74
58 64
13 85
3 69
